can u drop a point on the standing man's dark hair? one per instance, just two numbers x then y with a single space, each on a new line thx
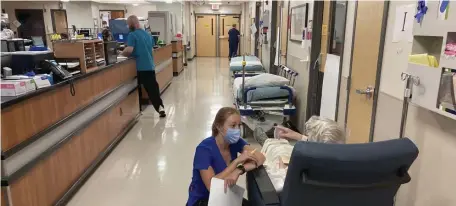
140 45
233 38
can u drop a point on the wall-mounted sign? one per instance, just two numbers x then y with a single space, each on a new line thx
215 6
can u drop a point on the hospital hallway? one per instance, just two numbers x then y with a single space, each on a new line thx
152 165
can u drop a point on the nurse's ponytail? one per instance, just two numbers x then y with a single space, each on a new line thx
222 115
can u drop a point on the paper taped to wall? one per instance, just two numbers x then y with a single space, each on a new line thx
403 23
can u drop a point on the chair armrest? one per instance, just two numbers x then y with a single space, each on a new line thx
260 190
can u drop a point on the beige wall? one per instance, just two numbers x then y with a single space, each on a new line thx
295 56
434 172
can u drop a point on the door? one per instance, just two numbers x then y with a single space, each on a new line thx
225 24
59 21
366 62
32 23
283 32
319 46
205 36
117 14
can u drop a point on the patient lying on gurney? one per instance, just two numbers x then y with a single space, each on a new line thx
278 150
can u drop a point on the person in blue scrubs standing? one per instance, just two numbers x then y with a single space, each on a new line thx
233 38
217 156
140 45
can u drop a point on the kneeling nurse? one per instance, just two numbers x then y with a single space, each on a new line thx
217 156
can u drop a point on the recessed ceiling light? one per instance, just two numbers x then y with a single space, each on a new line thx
135 4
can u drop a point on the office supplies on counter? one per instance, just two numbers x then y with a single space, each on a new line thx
57 70
7 71
13 88
30 85
42 81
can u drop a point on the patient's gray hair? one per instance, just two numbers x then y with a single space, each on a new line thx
319 129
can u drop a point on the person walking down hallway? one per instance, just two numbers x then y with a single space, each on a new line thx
233 38
140 46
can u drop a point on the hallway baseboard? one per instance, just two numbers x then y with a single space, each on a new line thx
190 59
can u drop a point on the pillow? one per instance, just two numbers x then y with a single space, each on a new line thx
266 80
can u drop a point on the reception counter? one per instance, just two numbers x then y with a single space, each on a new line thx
54 138
163 70
178 57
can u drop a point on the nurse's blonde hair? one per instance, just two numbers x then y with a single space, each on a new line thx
222 115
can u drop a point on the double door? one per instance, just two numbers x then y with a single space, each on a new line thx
212 34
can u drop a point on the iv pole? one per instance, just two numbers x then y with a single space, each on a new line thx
409 82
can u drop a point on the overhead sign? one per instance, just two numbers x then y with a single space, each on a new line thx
215 6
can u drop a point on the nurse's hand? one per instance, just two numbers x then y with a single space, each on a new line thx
244 157
232 179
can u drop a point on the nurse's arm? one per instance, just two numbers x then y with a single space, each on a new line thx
127 51
259 157
208 174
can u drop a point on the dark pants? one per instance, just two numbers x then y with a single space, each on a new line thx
234 49
149 82
205 202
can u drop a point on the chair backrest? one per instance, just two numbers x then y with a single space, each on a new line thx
347 175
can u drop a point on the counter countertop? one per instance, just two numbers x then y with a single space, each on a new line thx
9 101
161 47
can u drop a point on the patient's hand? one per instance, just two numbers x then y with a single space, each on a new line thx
285 133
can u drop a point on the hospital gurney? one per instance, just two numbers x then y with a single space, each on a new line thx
270 111
252 67
279 106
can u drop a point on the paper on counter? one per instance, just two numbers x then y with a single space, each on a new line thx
218 197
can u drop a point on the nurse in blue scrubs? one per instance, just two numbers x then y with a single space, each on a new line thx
233 38
217 156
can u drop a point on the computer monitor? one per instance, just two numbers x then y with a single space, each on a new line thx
85 32
37 41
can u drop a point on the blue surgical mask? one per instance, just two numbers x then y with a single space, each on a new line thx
232 135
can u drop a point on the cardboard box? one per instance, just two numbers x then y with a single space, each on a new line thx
13 88
29 84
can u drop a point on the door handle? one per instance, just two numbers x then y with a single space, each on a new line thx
212 27
369 92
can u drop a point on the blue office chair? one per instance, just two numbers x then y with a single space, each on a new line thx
322 174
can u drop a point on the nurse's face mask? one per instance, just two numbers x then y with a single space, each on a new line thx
231 128
232 135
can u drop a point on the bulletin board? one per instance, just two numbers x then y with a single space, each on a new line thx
298 21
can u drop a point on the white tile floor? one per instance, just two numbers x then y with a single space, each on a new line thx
153 163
